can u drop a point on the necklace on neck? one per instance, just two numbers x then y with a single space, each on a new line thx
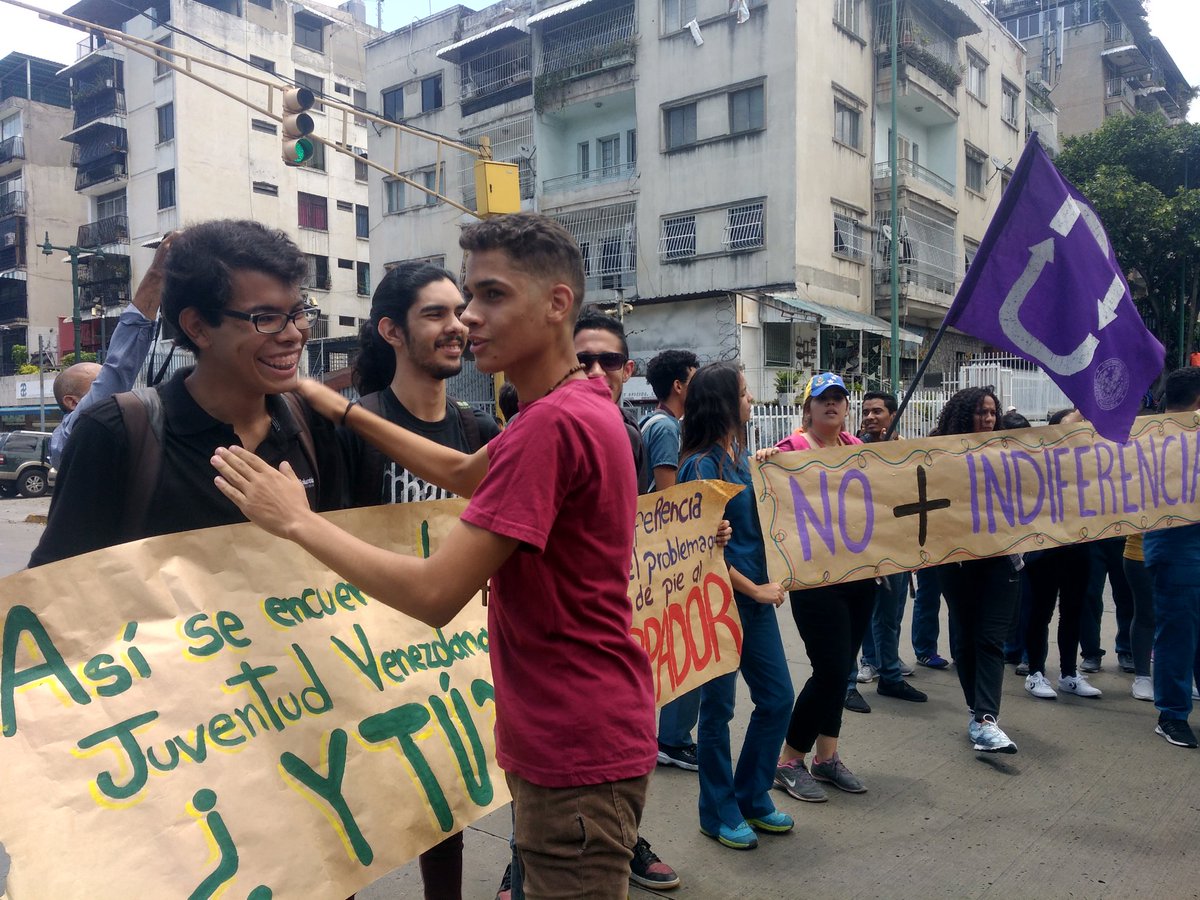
571 371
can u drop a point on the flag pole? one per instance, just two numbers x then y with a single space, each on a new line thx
912 388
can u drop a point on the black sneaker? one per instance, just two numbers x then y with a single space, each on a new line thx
1125 662
505 892
1177 732
683 757
855 702
648 870
901 690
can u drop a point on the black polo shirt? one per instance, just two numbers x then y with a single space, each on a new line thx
87 511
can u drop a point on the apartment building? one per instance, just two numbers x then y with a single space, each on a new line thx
724 167
1099 59
37 197
155 150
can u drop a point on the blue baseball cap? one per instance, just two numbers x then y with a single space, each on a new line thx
823 382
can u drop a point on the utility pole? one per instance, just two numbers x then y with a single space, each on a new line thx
41 382
73 252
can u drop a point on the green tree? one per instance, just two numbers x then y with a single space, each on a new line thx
68 359
1143 177
19 354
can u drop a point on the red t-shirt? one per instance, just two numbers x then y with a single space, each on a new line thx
574 696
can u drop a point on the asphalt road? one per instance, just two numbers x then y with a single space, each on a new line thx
1095 805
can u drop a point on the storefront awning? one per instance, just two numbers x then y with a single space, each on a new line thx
836 317
485 40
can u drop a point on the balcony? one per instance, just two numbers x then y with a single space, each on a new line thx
1121 50
590 178
13 148
14 302
109 230
929 267
12 204
104 103
910 169
495 76
584 46
100 173
607 238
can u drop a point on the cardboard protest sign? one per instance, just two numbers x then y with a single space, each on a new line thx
848 513
215 712
684 614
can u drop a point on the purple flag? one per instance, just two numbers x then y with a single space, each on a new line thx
1046 286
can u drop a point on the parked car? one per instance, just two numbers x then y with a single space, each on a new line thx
25 463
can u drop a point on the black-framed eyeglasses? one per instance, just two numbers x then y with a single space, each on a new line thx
609 361
275 322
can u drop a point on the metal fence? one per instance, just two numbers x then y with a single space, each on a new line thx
769 424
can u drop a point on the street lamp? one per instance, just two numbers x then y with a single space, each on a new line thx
74 252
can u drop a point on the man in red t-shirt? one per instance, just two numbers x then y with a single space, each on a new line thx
550 521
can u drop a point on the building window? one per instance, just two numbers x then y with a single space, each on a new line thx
345 206
745 110
970 248
431 93
1005 180
343 89
263 125
346 321
631 146
976 161
393 104
107 205
847 125
310 32
265 187
10 127
977 76
678 238
847 233
345 263
676 14
393 192
314 83
430 180
1010 103
318 272
160 67
360 102
166 189
610 155
364 279
362 221
585 158
777 344
318 157
314 211
680 125
166 122
848 14
267 65
360 166
265 4
744 227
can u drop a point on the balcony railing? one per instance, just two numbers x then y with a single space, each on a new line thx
909 168
104 143
107 102
111 270
101 172
578 180
1116 87
12 204
1117 35
13 148
109 230
600 41
12 257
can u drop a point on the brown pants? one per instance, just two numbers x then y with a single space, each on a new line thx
577 841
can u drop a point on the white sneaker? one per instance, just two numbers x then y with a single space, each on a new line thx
1143 688
1078 685
1037 685
866 673
1195 692
906 669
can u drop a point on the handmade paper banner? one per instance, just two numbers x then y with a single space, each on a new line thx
684 614
215 712
856 512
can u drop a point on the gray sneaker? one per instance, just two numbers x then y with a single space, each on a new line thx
987 737
834 771
793 777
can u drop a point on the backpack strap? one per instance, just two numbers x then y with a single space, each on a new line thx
142 413
653 418
368 476
470 425
300 413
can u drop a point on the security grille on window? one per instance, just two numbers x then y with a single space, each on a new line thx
976 76
1010 103
976 161
607 235
678 238
777 344
744 227
681 126
318 272
745 110
847 233
847 125
676 14
314 211
848 14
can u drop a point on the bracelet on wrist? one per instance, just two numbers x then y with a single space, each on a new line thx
349 406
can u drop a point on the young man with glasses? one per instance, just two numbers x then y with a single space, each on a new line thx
231 293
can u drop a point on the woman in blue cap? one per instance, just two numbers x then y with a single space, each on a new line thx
831 620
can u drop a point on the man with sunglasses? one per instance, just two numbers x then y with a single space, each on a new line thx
231 293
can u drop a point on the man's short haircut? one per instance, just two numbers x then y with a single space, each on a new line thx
1013 419
203 258
536 244
77 380
591 319
375 364
889 399
1182 389
1055 418
668 367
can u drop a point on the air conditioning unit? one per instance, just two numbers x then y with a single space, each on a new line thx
10 239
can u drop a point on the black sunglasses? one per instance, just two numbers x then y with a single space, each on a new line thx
609 361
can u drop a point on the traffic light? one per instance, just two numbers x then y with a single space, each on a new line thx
297 149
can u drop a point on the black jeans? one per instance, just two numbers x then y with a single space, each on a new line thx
832 621
1141 632
1057 575
982 596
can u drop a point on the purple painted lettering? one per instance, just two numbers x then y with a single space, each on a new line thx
974 494
805 513
1104 476
1026 516
1081 483
1126 477
1148 468
856 546
1170 501
997 496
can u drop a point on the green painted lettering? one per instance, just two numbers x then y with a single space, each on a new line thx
123 732
22 620
400 724
329 788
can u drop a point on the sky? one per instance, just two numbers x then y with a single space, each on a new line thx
1175 22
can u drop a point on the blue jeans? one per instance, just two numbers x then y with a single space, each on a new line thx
677 719
1107 561
883 634
727 796
927 606
1176 637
